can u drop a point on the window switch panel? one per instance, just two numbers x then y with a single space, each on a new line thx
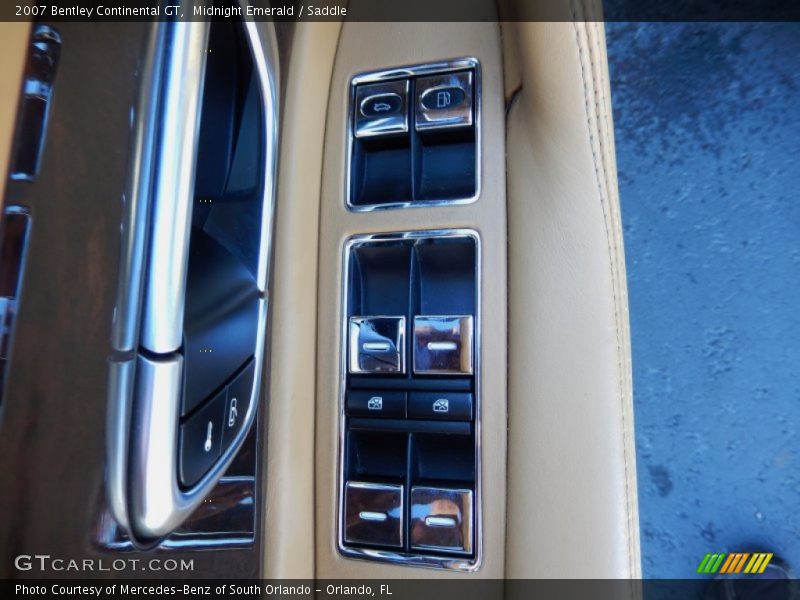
409 454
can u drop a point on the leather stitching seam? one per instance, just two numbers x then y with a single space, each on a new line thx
613 251
603 109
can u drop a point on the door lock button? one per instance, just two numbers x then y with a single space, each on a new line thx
240 391
201 440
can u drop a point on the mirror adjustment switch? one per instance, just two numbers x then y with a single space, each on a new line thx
373 514
441 519
377 345
240 391
381 109
443 345
452 406
201 440
366 403
444 101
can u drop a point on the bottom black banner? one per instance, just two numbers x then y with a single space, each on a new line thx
408 589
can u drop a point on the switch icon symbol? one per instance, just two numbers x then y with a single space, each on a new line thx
375 403
207 445
233 413
443 99
442 405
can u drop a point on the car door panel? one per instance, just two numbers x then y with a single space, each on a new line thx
551 414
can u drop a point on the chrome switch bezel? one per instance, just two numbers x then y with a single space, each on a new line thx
449 118
396 344
443 68
428 351
444 561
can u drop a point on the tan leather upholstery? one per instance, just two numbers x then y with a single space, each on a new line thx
571 464
289 522
13 50
570 488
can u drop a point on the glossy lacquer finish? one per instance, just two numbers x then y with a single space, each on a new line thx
52 435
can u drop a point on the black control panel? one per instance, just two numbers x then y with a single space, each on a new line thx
208 431
414 136
410 405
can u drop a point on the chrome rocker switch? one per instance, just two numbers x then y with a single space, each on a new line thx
443 345
373 514
381 109
377 345
441 519
444 101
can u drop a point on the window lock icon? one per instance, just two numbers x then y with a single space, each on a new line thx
442 405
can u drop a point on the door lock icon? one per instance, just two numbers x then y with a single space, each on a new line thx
233 413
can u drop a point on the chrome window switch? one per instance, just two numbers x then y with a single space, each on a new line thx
377 345
443 345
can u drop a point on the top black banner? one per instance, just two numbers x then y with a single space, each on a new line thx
400 10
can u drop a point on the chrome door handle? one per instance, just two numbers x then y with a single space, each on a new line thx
165 450
173 183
